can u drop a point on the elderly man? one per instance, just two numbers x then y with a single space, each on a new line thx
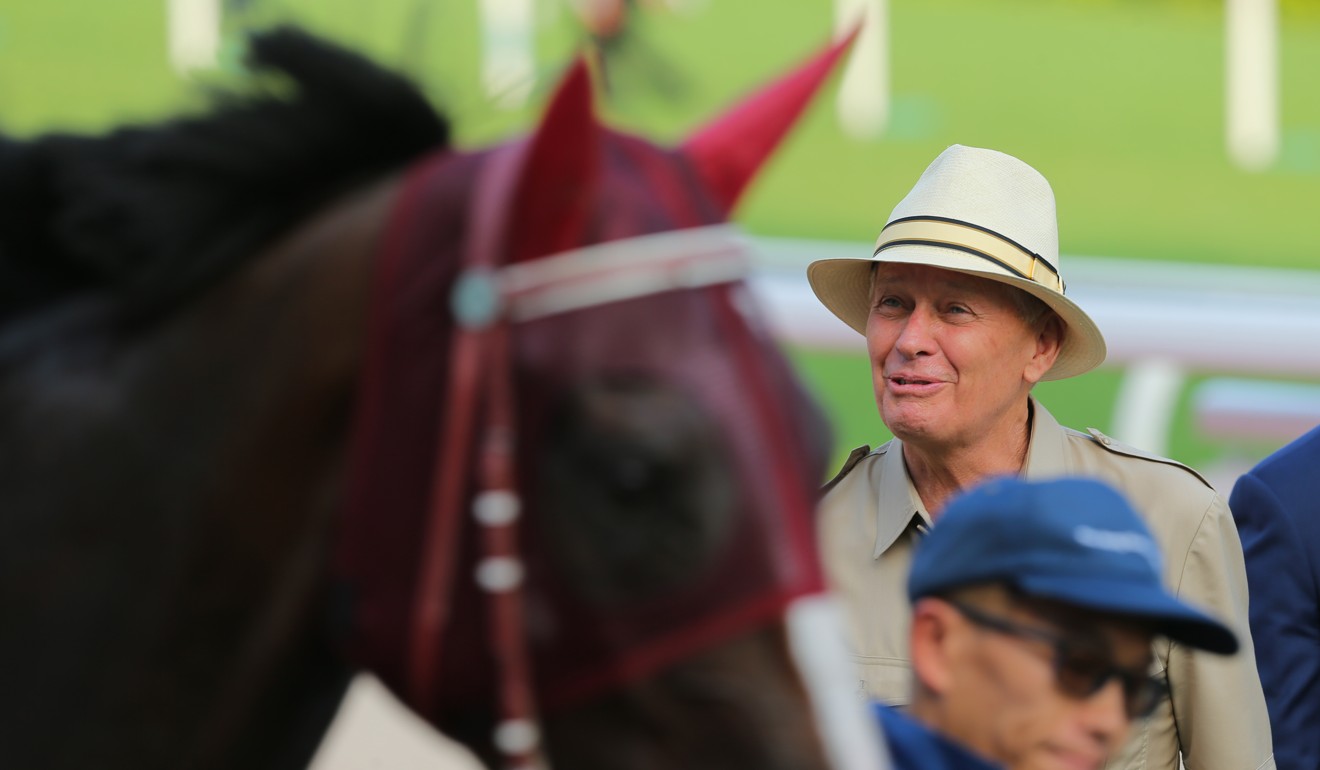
1033 610
963 309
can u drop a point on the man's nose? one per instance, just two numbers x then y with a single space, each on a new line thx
916 338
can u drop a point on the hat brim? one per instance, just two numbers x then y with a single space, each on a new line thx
844 287
1149 606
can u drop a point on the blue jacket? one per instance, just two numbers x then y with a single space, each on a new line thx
913 746
1277 510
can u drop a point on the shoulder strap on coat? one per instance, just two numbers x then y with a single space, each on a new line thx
1119 448
854 457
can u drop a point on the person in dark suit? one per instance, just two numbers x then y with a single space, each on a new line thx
1277 510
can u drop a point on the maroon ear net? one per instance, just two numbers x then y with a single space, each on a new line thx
730 149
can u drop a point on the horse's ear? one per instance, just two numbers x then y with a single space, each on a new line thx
559 172
730 149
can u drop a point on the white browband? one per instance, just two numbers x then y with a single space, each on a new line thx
623 269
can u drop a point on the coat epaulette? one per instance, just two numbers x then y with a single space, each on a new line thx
1118 447
854 457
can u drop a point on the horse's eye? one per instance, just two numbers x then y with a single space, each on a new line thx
635 490
632 474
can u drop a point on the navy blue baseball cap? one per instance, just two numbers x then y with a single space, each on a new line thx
1072 540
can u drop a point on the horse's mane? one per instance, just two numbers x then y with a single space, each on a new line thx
153 213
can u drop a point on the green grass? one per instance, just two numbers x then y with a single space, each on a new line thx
80 65
1119 103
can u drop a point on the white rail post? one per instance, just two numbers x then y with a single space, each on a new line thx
1251 56
508 64
1147 398
193 29
863 100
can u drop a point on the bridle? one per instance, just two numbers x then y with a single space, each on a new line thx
488 299
392 483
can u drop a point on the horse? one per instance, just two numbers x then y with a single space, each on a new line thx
294 388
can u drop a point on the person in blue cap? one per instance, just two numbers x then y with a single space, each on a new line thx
1034 607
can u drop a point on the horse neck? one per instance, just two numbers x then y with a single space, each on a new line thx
206 451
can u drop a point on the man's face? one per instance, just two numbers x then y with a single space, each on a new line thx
952 358
1005 701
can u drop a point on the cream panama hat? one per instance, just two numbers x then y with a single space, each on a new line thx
979 212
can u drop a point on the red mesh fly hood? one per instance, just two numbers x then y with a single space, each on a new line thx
680 378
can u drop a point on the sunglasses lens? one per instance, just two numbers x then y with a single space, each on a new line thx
1081 675
1081 670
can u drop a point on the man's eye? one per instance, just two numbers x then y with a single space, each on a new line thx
1081 675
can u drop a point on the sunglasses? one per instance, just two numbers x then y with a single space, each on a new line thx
1079 672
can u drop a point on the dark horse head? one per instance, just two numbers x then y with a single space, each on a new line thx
296 389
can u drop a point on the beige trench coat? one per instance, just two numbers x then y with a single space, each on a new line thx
871 517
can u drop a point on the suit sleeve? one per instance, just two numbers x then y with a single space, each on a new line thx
1284 610
1217 700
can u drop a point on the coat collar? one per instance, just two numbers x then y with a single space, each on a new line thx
899 506
1047 448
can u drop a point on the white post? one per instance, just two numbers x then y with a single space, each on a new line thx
508 66
1252 82
863 101
1147 399
193 27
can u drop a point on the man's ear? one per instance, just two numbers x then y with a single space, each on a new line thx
930 645
1049 341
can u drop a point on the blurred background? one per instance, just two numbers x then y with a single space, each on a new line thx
1182 138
